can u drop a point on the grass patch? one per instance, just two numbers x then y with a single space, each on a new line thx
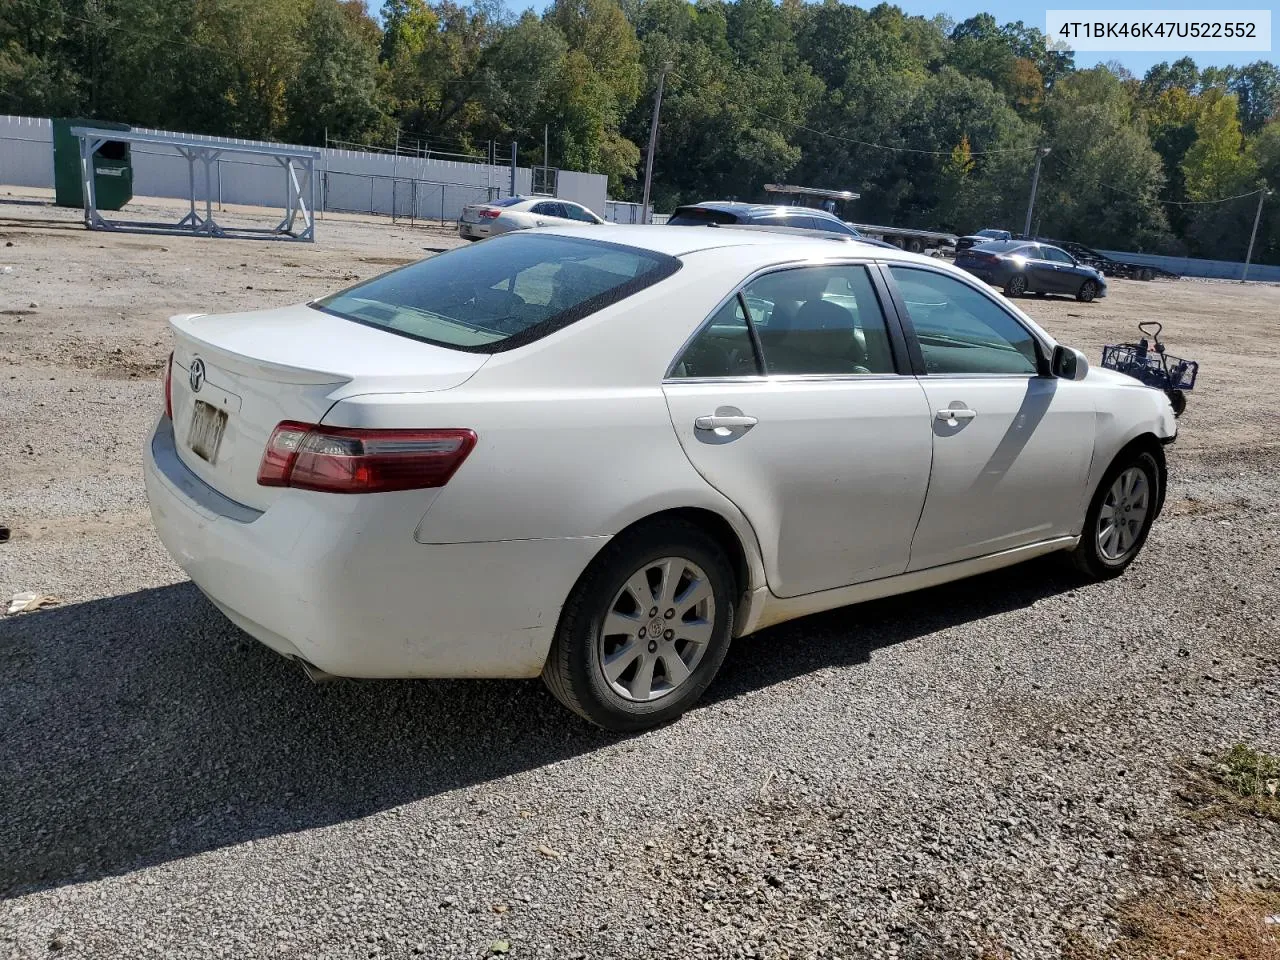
1246 780
1231 924
1250 776
1241 781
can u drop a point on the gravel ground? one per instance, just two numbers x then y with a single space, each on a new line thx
992 768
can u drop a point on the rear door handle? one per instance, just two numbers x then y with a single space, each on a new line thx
717 421
956 413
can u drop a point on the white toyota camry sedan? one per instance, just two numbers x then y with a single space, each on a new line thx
600 461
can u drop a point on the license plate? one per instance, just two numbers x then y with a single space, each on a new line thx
208 423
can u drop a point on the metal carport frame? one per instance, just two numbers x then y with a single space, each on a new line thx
297 163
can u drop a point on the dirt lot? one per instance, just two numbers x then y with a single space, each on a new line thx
1005 767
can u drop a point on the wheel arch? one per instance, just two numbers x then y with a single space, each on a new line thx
739 546
1146 442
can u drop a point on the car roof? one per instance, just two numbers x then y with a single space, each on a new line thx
1004 246
756 209
787 243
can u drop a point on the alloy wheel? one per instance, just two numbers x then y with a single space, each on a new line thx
657 629
1123 513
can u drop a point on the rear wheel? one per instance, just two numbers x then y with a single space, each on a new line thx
645 629
1016 286
1119 516
1088 290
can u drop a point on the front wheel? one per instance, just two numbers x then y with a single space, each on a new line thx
1016 286
1088 290
645 629
1119 516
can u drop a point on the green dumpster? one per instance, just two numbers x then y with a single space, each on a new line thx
112 167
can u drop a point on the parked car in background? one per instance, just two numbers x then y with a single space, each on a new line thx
480 220
1109 266
726 212
731 213
1022 266
600 461
982 236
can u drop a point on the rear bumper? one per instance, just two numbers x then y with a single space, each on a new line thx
340 582
474 231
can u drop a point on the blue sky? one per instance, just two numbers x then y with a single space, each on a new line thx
1033 15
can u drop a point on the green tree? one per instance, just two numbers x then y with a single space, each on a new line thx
1257 88
1217 162
334 91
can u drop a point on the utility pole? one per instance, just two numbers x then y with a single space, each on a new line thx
513 168
546 155
653 142
1262 195
1041 153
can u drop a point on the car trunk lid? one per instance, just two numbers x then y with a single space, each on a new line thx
236 376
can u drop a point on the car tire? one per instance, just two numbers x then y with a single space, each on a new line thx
1145 274
1016 286
601 675
1088 290
1115 530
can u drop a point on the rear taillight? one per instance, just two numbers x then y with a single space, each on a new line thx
168 387
490 214
348 460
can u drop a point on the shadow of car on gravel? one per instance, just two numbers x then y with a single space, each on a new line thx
144 728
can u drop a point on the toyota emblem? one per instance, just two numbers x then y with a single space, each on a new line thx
196 375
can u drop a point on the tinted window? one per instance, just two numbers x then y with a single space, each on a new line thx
833 226
575 212
699 216
1056 255
722 348
548 208
503 293
505 202
961 330
814 320
1003 246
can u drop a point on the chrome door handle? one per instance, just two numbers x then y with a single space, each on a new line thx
956 413
732 423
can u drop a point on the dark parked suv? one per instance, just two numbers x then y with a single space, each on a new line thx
759 214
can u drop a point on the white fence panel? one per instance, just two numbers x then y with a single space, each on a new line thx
26 151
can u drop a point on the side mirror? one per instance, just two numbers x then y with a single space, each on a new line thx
1068 363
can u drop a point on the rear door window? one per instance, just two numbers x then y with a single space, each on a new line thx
501 294
820 320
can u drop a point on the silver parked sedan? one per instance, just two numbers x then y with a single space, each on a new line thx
480 220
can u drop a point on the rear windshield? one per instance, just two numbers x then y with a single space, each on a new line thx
502 293
699 216
505 202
